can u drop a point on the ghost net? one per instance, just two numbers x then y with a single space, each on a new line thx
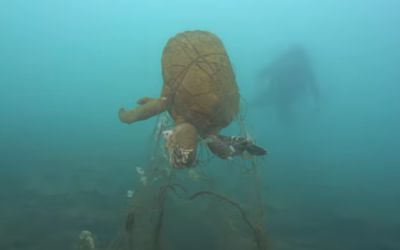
216 205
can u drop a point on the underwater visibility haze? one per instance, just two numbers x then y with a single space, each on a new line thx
327 115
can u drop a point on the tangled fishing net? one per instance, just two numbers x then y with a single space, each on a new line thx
215 205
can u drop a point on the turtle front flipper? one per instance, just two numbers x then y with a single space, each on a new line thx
220 147
147 108
181 144
229 146
256 150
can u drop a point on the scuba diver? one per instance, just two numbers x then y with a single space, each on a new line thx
287 79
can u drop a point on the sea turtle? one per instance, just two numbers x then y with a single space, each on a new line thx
201 95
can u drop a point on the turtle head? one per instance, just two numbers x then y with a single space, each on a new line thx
181 144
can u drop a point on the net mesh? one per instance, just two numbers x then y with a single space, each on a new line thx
215 205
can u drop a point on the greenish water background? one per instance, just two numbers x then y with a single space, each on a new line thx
67 66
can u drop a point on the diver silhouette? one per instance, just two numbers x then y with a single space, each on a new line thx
287 79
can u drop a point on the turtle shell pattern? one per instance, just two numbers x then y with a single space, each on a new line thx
199 81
